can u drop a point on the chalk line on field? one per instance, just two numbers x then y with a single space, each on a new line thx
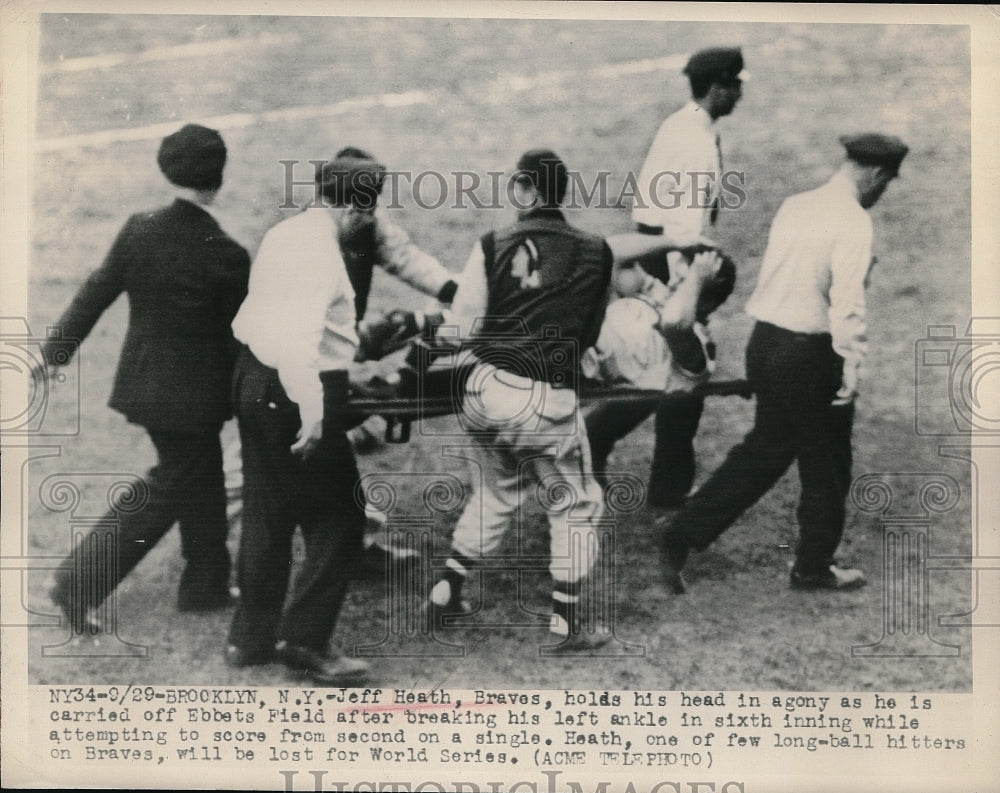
192 50
234 121
522 82
498 90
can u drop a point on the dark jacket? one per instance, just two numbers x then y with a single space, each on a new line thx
185 279
547 286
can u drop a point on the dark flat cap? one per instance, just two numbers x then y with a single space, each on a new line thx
873 148
718 64
352 177
194 157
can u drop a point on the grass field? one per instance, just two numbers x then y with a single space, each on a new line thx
740 627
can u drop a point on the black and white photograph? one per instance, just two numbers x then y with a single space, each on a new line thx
593 386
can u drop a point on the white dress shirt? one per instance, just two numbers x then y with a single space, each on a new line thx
679 182
298 316
812 279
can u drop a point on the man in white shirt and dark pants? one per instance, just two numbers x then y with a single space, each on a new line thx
802 361
297 326
679 194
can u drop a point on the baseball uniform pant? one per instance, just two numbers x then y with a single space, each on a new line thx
530 441
673 467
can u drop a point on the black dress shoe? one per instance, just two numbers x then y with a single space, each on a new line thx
836 578
238 657
674 554
324 669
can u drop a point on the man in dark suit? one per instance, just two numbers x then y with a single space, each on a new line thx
185 279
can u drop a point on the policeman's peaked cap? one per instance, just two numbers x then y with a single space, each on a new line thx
873 148
716 65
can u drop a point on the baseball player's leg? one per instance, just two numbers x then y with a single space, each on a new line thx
574 507
574 504
367 436
629 350
673 468
482 524
608 423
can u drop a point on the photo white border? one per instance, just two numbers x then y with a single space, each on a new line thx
976 769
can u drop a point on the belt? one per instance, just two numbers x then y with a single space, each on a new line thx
247 358
819 336
655 231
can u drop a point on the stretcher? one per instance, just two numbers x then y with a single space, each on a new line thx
419 393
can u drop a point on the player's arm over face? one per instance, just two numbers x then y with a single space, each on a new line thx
632 245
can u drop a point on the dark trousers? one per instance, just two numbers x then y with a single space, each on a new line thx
672 471
795 377
281 491
185 486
